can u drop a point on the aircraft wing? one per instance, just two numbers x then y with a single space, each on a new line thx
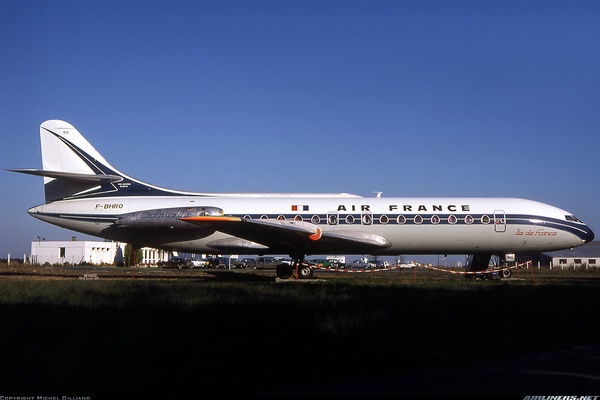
285 236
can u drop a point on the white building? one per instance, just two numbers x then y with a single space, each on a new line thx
76 252
73 252
586 256
152 256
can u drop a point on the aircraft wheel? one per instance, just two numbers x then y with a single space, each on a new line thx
506 273
284 271
304 271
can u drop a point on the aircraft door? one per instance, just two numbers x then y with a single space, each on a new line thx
499 221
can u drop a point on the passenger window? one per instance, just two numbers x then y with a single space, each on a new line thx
452 219
401 219
315 219
485 219
418 219
332 218
384 219
468 219
349 219
367 219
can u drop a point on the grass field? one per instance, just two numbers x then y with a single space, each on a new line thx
197 332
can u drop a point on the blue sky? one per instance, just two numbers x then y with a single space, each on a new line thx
410 98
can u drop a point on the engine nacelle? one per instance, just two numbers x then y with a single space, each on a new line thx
165 218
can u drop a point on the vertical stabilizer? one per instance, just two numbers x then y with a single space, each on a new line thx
64 149
72 166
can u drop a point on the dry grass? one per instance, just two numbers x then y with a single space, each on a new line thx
161 332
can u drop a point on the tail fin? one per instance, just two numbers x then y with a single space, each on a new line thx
73 168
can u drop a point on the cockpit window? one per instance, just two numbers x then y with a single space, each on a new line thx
573 218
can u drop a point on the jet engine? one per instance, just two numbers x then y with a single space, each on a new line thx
165 218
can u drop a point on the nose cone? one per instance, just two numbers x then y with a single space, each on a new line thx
587 235
34 210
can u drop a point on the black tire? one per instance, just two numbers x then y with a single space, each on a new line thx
304 271
506 273
284 271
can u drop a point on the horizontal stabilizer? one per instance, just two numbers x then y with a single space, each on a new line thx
71 176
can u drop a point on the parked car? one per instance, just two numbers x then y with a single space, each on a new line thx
284 260
407 264
247 262
218 262
202 263
321 262
328 263
175 262
360 264
266 263
382 264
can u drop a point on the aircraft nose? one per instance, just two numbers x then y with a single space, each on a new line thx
587 235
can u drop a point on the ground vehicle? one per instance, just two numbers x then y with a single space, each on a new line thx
246 262
337 261
217 262
359 264
382 264
494 272
175 262
202 263
322 262
407 264
233 262
266 263
329 262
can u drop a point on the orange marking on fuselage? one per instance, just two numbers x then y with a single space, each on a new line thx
316 235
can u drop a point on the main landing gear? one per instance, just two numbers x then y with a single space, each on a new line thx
481 262
296 268
506 273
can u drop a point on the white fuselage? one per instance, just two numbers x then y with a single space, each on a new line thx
412 225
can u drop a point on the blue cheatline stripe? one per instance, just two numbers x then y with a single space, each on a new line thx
532 220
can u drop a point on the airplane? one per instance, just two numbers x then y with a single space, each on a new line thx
84 193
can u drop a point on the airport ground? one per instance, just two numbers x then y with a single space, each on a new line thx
149 332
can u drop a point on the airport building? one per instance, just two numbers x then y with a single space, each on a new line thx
586 256
76 252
